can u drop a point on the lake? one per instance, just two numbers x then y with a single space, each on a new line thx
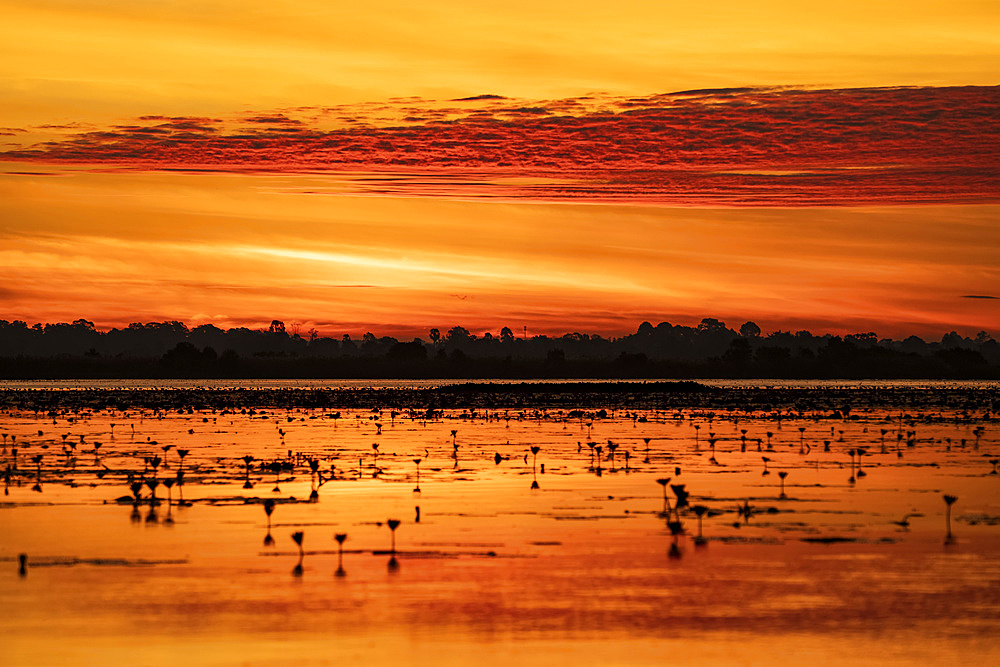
580 551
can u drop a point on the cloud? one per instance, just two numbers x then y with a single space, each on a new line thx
477 98
730 146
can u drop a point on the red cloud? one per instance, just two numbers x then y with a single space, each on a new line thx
737 146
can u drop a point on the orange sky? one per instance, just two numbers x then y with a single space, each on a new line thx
350 255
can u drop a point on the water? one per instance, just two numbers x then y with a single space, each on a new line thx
583 568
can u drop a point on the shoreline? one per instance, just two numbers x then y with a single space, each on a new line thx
974 401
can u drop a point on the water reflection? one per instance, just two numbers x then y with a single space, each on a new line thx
533 549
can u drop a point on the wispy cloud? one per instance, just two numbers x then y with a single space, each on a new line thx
735 146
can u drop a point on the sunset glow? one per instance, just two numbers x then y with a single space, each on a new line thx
572 167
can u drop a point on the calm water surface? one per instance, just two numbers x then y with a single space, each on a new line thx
584 568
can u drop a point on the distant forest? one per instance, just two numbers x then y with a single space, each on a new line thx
172 350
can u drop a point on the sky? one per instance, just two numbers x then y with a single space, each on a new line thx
558 166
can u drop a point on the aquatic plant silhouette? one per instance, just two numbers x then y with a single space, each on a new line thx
682 496
534 473
268 510
152 484
340 537
851 479
37 459
393 525
699 511
948 502
663 481
375 454
711 442
247 461
180 490
766 471
417 462
612 447
136 488
276 469
297 537
994 463
770 435
859 452
182 453
169 483
646 440
783 474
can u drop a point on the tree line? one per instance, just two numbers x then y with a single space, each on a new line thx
710 349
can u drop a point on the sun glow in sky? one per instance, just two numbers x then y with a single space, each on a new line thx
354 188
